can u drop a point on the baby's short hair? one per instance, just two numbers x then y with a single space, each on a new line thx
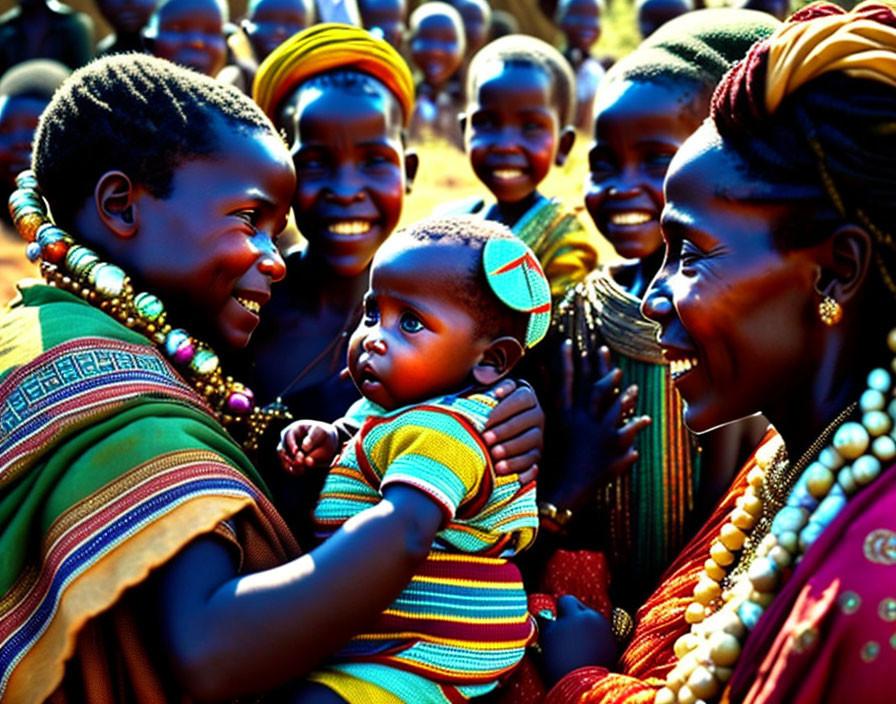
134 113
524 50
469 234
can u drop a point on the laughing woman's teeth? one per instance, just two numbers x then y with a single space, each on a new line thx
679 367
251 306
629 218
349 227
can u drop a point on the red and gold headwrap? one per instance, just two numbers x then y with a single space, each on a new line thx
855 43
325 47
821 38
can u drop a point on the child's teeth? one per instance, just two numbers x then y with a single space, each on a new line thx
349 227
629 218
508 173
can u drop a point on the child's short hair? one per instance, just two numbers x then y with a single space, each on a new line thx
223 6
437 7
134 113
524 50
37 78
471 233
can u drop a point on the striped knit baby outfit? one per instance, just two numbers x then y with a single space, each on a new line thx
462 621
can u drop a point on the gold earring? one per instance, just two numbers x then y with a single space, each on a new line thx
830 311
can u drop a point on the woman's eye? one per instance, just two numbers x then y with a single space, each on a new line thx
689 255
411 323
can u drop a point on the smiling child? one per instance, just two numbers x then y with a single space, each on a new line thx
437 44
352 175
189 33
647 105
453 303
521 101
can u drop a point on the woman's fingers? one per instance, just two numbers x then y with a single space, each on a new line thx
520 445
519 463
625 437
521 399
518 425
530 475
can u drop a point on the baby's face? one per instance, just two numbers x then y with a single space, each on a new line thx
416 340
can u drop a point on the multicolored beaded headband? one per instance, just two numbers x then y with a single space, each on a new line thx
517 279
79 270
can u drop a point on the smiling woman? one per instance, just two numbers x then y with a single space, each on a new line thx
776 296
646 107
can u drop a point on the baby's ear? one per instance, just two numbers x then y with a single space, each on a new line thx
497 360
564 144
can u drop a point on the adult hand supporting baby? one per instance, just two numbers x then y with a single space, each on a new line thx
515 430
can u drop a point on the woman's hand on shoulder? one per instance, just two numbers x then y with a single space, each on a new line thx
514 432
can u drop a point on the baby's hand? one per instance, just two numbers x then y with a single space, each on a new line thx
307 443
577 638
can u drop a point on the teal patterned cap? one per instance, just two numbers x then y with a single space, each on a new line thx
517 279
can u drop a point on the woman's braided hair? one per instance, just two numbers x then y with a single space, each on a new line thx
829 148
133 113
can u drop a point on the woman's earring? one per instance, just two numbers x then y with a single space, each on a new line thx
830 311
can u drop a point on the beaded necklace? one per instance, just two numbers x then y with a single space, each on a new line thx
770 539
79 270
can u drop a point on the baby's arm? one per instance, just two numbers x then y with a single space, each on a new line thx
423 517
307 443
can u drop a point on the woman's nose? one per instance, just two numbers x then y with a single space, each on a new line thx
657 304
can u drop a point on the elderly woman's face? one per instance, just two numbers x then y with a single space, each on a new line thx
736 313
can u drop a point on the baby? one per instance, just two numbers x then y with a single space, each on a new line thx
453 303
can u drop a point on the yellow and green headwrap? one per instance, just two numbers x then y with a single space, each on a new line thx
325 47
